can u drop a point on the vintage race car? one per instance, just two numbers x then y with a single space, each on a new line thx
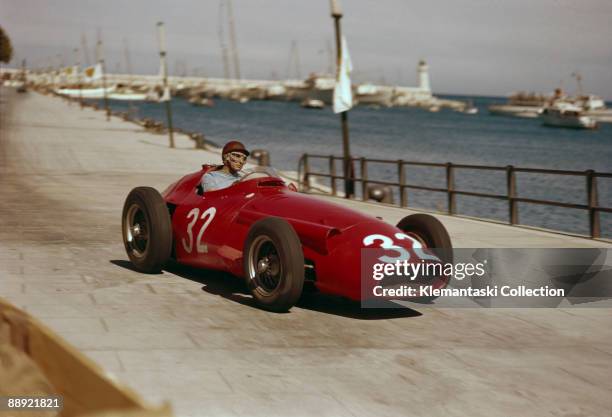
265 231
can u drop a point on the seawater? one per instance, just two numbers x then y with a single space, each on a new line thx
287 131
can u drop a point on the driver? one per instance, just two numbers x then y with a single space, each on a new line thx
234 157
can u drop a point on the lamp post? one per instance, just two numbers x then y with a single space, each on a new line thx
78 74
103 70
161 32
349 183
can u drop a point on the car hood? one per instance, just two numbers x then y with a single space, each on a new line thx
306 208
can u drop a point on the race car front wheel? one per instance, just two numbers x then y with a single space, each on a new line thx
431 233
274 264
147 229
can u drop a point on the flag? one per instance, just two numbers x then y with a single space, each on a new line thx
93 73
343 96
166 96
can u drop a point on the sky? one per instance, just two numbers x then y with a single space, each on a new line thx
476 47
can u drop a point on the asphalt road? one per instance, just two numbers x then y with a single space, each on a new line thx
195 338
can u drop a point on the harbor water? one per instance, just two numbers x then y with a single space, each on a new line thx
287 131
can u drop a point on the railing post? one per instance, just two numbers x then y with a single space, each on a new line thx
592 202
511 186
401 176
332 172
306 173
450 187
364 178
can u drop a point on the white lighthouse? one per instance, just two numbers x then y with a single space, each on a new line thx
423 76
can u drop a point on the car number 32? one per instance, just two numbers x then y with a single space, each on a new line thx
194 214
402 253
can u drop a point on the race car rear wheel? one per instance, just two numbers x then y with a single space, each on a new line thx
147 229
274 264
431 233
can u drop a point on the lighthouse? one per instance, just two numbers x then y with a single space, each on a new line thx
423 76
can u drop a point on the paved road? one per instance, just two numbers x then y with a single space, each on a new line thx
194 337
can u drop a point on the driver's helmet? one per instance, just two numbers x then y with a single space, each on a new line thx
234 146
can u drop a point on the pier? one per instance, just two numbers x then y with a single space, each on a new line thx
313 87
193 337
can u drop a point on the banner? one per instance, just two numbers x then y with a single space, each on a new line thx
343 95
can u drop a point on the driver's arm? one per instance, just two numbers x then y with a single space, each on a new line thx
209 183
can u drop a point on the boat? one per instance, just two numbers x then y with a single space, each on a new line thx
312 103
525 104
89 93
590 102
201 101
564 114
469 108
127 96
529 112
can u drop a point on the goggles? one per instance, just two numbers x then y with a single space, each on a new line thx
237 156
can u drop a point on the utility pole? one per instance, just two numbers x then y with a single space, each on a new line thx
162 55
101 62
349 183
24 76
58 78
128 66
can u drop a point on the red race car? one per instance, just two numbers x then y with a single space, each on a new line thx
265 231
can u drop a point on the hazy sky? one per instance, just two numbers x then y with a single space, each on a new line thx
490 47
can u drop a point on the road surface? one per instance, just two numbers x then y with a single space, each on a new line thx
194 337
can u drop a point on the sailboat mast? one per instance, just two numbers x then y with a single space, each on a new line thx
222 44
85 50
330 58
579 82
232 29
294 60
128 61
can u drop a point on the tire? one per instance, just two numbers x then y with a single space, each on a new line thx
432 233
147 229
274 264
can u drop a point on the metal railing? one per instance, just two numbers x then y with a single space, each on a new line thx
592 205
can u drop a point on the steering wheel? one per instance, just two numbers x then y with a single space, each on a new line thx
253 175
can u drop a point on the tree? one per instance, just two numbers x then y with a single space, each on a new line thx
6 50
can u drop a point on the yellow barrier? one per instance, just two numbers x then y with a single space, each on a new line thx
36 362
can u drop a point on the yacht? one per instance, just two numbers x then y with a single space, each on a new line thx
564 114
